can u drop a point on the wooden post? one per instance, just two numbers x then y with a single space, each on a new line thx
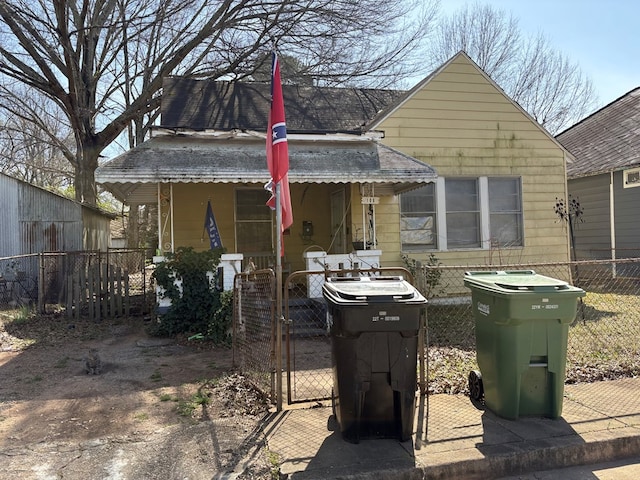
82 286
91 293
104 289
127 300
97 302
111 290
119 310
41 294
69 296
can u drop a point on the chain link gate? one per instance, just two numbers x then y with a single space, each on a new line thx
305 343
307 347
254 329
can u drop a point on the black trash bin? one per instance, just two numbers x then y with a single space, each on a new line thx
375 323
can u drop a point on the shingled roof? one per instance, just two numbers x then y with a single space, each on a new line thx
219 105
241 159
607 140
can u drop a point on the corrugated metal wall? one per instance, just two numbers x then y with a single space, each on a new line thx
48 222
9 234
33 220
97 230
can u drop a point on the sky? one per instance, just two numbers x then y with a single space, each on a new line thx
601 36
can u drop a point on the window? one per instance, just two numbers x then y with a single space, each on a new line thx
253 221
463 213
458 213
631 178
417 218
505 212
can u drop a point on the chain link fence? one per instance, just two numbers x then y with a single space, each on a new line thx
307 347
602 339
254 329
304 346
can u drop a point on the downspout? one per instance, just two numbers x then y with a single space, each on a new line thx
159 251
171 207
612 223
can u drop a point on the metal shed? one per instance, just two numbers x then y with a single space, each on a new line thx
34 220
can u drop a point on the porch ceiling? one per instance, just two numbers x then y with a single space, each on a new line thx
174 158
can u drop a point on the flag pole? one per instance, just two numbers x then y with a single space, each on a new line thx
279 315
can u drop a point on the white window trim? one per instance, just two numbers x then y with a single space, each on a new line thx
441 215
625 178
485 229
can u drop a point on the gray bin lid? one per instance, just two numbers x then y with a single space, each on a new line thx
360 290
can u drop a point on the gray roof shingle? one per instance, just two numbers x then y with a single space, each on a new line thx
180 158
607 140
218 105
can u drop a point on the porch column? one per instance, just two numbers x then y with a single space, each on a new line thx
231 263
315 262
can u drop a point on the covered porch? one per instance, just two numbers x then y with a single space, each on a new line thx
344 194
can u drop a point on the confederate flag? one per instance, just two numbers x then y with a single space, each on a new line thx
277 148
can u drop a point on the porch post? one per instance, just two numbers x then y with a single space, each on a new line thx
159 251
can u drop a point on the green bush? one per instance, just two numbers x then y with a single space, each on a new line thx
198 307
219 327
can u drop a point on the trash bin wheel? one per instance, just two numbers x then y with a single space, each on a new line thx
476 390
333 403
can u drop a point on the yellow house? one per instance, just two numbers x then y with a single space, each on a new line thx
363 166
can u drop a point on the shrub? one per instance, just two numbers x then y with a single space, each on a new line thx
197 306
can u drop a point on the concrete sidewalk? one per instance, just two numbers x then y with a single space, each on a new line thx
600 422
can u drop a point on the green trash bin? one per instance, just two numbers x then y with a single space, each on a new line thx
374 329
522 322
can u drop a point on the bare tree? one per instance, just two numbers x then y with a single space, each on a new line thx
550 87
31 140
101 62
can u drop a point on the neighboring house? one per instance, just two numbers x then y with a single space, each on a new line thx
605 179
118 232
363 169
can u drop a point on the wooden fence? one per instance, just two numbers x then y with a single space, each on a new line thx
89 284
97 291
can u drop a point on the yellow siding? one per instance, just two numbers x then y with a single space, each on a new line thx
309 202
463 125
191 203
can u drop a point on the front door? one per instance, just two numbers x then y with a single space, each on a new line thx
338 220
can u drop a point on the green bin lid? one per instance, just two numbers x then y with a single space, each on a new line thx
513 281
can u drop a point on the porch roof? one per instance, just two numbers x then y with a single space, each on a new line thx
241 158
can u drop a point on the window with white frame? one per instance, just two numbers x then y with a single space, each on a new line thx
505 212
253 221
462 212
631 178
417 218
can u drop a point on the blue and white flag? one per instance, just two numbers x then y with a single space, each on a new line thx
212 228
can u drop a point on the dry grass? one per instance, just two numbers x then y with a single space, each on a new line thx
602 344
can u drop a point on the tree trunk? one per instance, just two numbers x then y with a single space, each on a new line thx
133 226
85 183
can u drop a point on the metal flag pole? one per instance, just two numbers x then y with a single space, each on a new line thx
279 316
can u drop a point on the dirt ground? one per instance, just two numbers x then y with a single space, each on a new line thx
159 408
